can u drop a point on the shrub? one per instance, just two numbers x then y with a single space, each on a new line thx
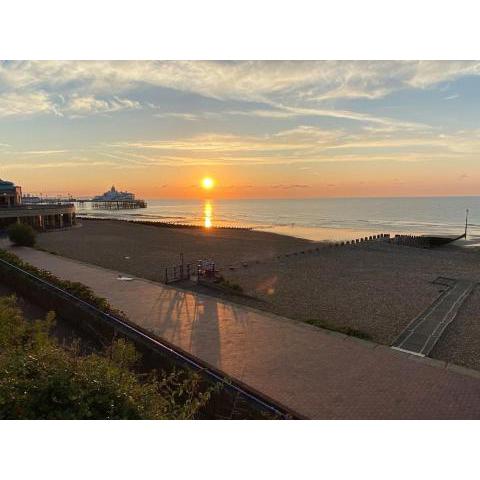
75 288
39 379
227 284
21 234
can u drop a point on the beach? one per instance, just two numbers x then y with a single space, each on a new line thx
374 289
146 250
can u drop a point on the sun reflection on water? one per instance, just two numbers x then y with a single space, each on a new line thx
207 214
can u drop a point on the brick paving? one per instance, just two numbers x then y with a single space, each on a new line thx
319 374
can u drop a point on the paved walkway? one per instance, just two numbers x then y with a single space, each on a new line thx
424 332
318 374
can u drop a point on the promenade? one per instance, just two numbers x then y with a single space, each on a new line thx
319 374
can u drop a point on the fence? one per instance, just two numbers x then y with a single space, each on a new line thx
177 273
235 400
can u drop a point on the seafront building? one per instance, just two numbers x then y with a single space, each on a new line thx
39 216
114 195
115 200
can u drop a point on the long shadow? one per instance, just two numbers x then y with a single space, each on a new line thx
170 313
205 337
194 323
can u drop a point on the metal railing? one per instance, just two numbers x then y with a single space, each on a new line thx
36 206
180 357
177 273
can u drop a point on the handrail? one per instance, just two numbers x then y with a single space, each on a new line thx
192 363
35 206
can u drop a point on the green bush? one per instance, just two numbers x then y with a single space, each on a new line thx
21 234
227 284
75 288
39 379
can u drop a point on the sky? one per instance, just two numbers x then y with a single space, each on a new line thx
275 129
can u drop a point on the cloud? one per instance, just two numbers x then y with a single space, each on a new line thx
63 164
184 116
25 104
191 117
290 186
290 88
283 111
452 97
41 152
303 144
86 105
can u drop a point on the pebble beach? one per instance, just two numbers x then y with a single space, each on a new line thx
374 288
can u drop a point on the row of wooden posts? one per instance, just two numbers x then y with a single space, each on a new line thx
183 272
381 236
410 241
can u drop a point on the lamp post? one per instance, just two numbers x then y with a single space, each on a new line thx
466 223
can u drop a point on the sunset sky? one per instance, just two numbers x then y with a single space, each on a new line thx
260 129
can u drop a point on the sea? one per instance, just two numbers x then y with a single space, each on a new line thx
316 218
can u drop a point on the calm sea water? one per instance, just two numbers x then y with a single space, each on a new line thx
318 219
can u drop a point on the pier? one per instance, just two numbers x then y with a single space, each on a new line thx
111 200
125 204
114 204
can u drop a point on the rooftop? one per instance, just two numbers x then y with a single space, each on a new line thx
6 186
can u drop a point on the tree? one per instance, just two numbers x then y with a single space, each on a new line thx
21 234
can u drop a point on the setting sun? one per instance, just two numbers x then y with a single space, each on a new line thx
207 183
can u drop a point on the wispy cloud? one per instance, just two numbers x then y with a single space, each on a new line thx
301 88
290 186
302 144
25 104
87 105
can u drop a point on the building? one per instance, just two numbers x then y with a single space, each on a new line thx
113 195
10 195
39 216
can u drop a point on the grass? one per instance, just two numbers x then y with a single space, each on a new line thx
228 285
352 332
40 249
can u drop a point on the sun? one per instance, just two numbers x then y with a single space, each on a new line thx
207 183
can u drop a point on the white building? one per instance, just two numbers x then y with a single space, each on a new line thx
113 195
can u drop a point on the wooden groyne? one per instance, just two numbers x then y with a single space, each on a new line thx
161 224
313 250
425 241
